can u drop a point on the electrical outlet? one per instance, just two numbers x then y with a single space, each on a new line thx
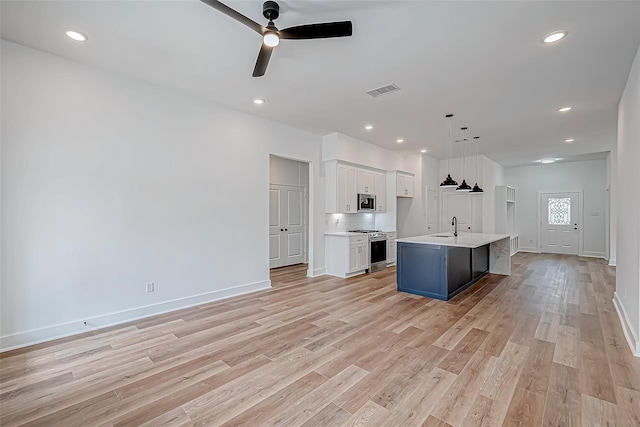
151 287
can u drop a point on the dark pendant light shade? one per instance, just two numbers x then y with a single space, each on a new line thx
476 188
464 186
449 182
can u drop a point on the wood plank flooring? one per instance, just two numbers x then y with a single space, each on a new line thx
542 347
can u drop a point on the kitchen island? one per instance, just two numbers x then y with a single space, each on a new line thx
442 265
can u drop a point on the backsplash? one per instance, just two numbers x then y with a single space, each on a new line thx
345 222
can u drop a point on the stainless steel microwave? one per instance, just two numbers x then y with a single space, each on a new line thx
366 203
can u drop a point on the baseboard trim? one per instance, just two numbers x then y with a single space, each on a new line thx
529 250
629 333
63 330
590 254
612 262
317 272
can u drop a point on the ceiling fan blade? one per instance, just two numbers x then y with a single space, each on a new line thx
263 60
318 31
221 7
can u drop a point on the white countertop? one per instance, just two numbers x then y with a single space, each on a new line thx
349 233
464 240
344 234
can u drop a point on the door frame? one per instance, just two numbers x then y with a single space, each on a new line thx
580 216
308 207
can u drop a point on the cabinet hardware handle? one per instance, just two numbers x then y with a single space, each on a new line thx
282 229
575 228
286 229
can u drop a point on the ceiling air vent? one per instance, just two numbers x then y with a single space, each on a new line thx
383 90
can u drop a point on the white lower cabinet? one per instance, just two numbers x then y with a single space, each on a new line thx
391 247
346 255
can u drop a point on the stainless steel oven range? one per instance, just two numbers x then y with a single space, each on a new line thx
377 249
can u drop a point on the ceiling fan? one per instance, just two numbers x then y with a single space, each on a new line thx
271 35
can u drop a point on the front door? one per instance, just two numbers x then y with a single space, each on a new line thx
559 224
286 225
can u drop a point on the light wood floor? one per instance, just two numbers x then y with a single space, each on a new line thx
541 347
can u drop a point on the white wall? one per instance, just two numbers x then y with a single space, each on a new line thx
337 146
627 295
589 176
493 174
411 219
109 183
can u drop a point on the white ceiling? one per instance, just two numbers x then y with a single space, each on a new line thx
482 60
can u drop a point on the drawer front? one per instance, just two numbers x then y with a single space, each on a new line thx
358 239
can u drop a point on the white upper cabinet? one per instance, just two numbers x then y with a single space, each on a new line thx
341 191
365 181
404 184
380 190
345 181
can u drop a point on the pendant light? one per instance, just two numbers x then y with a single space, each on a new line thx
476 188
449 182
464 187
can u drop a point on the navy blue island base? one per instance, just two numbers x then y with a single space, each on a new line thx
439 271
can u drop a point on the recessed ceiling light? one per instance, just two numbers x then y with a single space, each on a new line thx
399 140
554 37
564 109
546 161
569 140
368 127
75 35
258 101
424 150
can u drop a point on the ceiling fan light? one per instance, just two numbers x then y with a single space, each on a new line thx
271 39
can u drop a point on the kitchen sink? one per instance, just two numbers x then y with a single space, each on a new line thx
441 235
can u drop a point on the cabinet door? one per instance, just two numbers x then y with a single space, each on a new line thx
365 181
391 251
409 186
346 189
404 185
391 247
380 190
353 258
363 256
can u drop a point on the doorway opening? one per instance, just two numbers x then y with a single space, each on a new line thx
288 212
560 222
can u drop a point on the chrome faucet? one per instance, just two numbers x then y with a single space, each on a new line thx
454 222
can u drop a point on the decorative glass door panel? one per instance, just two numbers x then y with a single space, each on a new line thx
559 226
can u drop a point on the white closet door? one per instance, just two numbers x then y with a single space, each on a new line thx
286 225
